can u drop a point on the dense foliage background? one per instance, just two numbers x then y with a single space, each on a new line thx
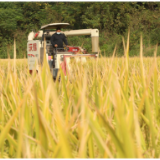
113 19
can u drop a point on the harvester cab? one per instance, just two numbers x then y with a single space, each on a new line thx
36 48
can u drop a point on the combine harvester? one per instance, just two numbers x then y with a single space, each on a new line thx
58 58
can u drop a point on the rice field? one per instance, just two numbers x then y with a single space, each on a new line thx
108 108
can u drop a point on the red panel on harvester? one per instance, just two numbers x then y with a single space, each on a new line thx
73 49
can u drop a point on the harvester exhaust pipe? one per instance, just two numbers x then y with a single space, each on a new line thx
95 40
95 44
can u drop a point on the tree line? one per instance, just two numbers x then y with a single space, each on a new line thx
113 19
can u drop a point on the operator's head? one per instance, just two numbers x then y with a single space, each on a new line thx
58 30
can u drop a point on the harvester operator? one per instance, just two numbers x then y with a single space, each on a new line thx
58 38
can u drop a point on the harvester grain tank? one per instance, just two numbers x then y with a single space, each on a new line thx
58 58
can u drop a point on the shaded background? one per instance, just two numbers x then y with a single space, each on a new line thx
113 19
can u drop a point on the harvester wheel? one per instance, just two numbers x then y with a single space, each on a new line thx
57 79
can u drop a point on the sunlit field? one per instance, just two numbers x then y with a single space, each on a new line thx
107 108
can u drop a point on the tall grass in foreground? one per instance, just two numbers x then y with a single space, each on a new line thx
106 108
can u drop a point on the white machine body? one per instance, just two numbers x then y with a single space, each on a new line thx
33 50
